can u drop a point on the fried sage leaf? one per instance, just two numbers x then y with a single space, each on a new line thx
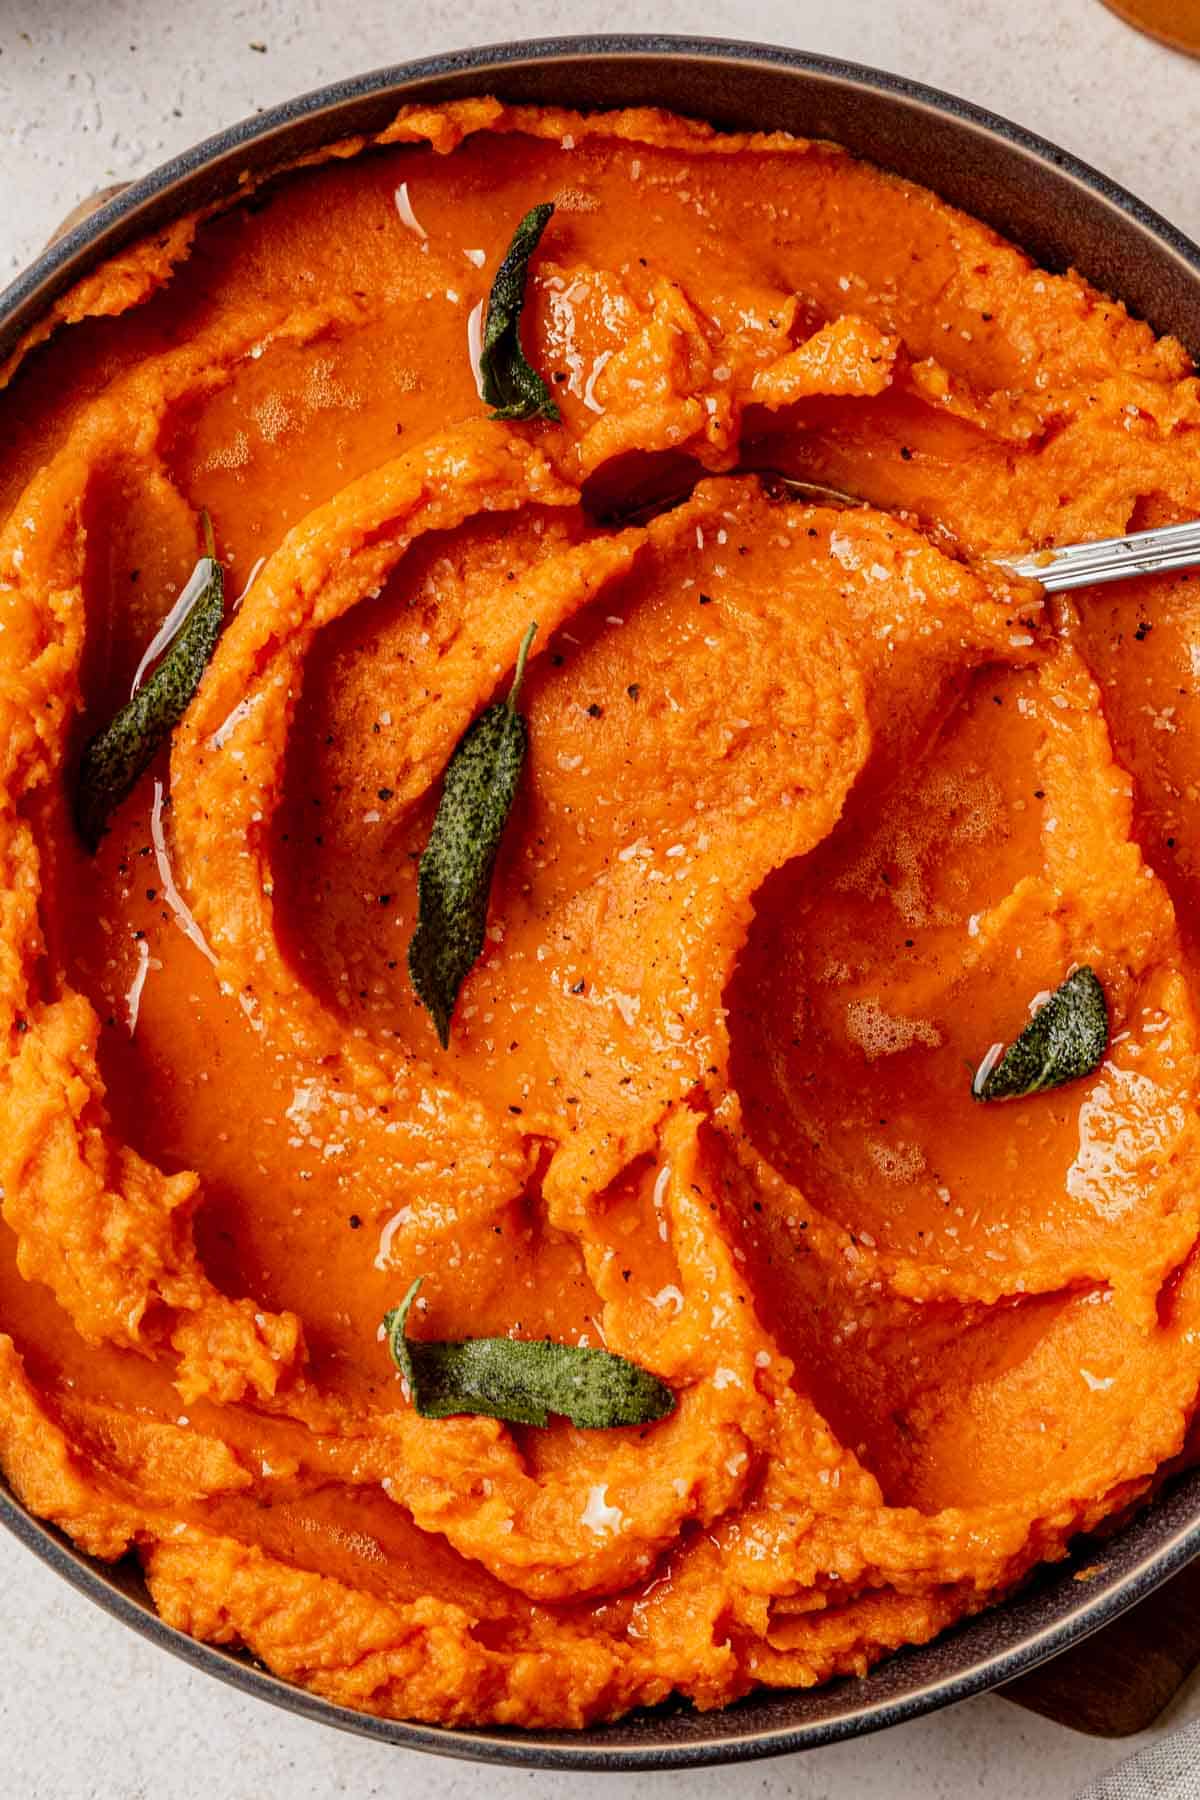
455 877
510 385
115 758
1065 1039
522 1381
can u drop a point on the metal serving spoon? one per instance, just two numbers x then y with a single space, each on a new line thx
1152 552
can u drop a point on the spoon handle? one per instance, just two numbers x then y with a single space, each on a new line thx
1110 559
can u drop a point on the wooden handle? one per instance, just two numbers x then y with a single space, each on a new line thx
85 209
1117 1681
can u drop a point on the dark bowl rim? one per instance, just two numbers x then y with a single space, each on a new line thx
120 221
38 285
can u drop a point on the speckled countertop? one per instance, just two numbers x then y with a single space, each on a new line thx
92 91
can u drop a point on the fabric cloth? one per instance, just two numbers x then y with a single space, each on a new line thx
1166 1770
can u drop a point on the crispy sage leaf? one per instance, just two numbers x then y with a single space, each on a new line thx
115 758
455 876
510 386
1064 1040
522 1381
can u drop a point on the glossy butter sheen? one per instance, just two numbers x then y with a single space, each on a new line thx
814 807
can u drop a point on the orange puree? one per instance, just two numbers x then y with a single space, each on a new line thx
816 807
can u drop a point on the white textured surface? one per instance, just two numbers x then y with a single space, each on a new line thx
95 90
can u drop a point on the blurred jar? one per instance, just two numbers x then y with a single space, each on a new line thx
1175 22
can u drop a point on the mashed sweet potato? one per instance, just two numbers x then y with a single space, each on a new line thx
817 806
